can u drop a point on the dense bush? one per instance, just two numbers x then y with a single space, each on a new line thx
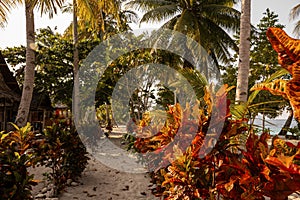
58 147
63 152
16 155
241 164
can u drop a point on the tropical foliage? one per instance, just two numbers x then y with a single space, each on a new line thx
262 69
207 22
288 57
205 150
294 14
5 7
54 57
212 167
16 156
59 148
62 151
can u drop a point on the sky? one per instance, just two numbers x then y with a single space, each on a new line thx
14 33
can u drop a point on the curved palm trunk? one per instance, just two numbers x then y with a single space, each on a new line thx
28 85
287 124
75 62
244 53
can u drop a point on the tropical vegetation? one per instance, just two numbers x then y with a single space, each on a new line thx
208 149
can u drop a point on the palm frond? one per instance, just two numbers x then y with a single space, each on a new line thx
185 21
145 6
296 30
130 16
5 6
274 76
111 7
228 3
239 111
170 24
223 16
88 9
161 13
265 103
295 12
214 37
206 21
67 8
46 6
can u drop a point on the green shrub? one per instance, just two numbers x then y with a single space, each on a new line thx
16 155
58 147
64 153
232 169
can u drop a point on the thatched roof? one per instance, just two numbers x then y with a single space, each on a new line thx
9 87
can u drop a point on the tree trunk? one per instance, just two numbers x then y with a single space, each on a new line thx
287 124
28 84
244 53
75 63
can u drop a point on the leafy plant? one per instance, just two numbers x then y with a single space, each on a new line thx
16 155
64 153
232 169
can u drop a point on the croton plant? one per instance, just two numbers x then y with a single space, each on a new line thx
210 166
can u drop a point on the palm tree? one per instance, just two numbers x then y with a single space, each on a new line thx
45 6
295 12
244 53
207 22
96 18
91 11
5 6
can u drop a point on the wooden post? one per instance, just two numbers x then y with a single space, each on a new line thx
4 115
44 118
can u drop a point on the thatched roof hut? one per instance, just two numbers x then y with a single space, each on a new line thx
9 87
10 95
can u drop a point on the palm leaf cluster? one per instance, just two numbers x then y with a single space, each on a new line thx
209 22
5 6
98 17
46 6
294 14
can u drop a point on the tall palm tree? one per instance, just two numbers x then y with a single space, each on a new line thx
91 11
75 61
295 13
244 53
206 21
45 6
5 6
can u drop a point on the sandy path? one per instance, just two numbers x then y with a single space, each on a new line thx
100 182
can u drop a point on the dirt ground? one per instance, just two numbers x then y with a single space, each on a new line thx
101 182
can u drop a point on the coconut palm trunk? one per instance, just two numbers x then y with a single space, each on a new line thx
28 84
244 53
46 6
75 62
